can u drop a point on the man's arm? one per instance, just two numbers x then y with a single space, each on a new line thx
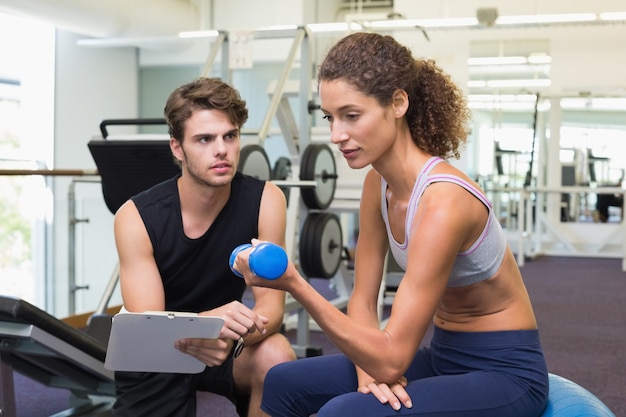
140 281
142 290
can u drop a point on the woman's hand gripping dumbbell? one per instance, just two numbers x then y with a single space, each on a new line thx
267 260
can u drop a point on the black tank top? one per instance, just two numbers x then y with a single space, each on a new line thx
195 272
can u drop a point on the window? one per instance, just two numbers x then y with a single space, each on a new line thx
26 142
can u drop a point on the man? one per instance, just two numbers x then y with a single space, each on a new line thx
174 241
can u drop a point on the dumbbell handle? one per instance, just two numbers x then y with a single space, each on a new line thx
267 260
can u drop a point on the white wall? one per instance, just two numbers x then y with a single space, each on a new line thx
244 14
112 18
582 63
91 85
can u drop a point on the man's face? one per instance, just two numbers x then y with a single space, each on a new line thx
209 152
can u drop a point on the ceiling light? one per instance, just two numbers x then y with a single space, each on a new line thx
534 82
199 34
449 22
612 16
334 27
497 60
535 59
147 42
539 59
425 23
497 105
514 102
469 22
596 103
278 28
502 97
546 18
513 83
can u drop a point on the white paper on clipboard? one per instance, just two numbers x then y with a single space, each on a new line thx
144 342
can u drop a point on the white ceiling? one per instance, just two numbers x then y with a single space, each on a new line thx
144 18
112 18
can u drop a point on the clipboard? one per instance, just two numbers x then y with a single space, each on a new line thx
144 342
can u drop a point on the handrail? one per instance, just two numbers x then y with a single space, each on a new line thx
528 218
72 220
563 189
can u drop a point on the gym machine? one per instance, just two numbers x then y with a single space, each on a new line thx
55 354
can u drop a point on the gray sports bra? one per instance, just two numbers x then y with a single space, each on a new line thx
481 260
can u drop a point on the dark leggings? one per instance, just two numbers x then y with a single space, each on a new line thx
461 374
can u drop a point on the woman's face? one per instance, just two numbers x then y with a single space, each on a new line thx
361 128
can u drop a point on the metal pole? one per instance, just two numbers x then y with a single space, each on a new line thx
71 247
71 244
280 85
108 291
217 45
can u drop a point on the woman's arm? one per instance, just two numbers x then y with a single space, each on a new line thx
270 303
372 247
439 229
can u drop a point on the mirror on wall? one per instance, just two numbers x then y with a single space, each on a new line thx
506 79
509 91
592 139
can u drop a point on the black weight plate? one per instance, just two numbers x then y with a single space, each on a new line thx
253 161
331 244
318 164
305 161
282 168
321 245
282 171
306 262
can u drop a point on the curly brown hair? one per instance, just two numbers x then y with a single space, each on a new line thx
377 65
203 93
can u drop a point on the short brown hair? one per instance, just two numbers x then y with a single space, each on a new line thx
203 93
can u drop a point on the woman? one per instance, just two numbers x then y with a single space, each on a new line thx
405 117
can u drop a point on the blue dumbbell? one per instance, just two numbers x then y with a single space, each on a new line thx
267 260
